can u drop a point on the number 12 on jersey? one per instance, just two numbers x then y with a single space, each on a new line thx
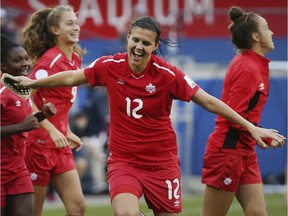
133 112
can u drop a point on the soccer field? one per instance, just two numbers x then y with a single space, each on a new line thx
192 206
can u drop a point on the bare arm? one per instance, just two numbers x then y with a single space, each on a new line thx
75 141
29 123
64 78
58 138
216 106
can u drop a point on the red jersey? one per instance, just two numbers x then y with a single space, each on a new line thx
52 62
245 90
13 148
140 104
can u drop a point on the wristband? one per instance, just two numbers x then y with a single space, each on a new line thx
40 116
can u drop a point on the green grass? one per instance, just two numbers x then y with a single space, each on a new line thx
276 206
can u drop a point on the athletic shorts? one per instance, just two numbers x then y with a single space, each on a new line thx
226 171
19 185
160 185
46 162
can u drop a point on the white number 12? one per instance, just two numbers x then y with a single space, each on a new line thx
136 109
170 189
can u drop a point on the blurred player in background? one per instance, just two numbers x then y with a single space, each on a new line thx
51 40
230 162
141 88
16 120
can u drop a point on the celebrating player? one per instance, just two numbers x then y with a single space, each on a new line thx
51 40
141 88
16 120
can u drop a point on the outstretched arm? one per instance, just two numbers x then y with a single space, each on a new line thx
216 106
64 78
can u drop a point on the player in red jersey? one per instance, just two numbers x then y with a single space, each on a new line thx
16 120
230 162
143 150
51 40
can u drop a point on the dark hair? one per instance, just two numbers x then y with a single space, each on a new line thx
6 45
148 22
37 34
242 27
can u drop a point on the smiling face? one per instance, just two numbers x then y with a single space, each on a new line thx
68 29
141 44
17 62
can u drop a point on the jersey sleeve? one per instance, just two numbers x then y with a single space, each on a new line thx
42 69
182 87
96 73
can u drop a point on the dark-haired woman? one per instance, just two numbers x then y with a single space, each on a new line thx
141 88
16 120
230 162
51 40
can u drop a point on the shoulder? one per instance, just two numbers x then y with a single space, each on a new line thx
49 58
8 97
116 59
243 64
163 67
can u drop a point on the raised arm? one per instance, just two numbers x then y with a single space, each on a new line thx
64 78
216 106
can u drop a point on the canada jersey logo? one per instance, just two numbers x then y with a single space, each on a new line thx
33 176
150 88
227 181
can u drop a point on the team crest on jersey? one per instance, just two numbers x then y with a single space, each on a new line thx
18 103
227 181
33 176
150 88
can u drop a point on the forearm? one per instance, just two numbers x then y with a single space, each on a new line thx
8 130
216 106
65 78
228 113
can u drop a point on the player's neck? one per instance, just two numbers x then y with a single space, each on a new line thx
67 50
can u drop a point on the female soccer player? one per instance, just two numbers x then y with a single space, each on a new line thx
16 120
51 40
141 88
230 163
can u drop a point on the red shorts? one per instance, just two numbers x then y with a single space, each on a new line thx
159 184
45 162
19 185
227 171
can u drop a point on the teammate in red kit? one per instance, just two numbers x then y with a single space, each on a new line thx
51 40
141 88
16 120
230 162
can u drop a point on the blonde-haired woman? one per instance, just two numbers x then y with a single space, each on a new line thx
51 40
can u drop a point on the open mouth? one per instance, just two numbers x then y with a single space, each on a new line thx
25 72
75 35
137 55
